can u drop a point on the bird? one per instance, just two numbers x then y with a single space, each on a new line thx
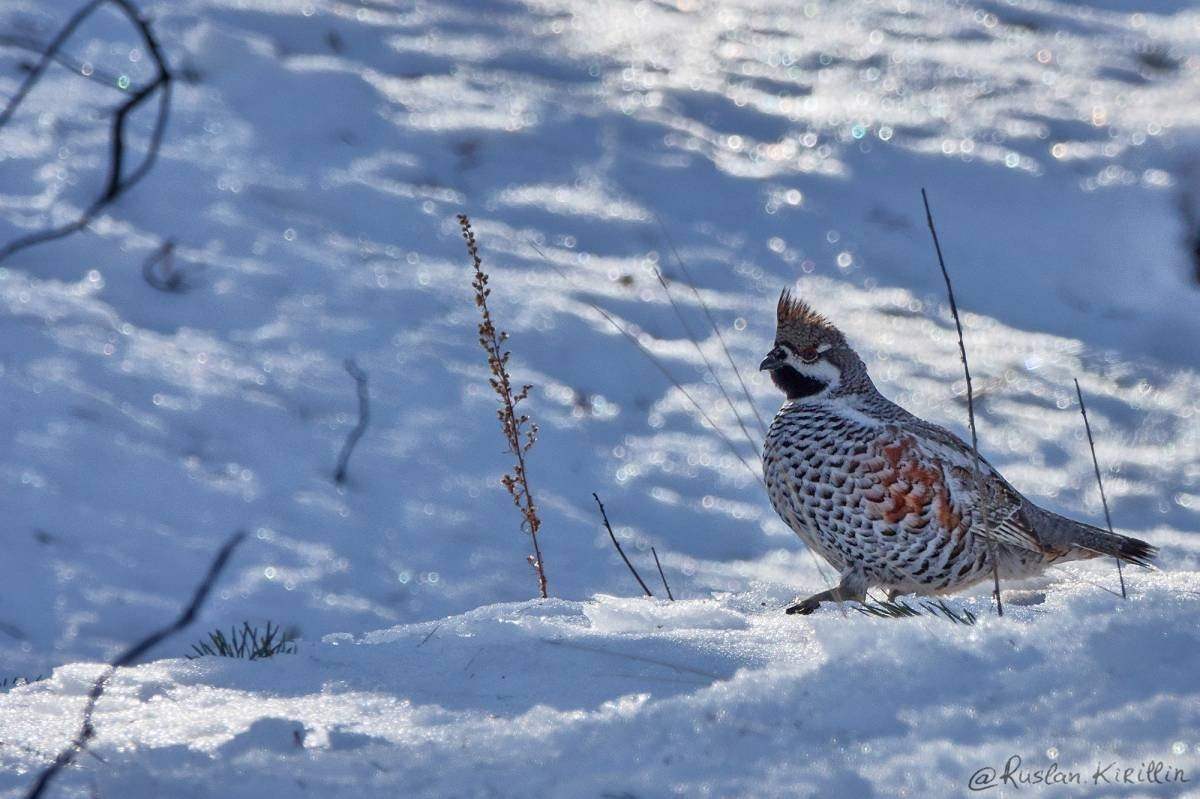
890 500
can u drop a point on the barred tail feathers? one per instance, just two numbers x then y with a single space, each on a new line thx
1059 531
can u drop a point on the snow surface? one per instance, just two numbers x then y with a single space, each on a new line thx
316 155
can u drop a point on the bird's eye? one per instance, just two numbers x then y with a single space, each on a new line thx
809 355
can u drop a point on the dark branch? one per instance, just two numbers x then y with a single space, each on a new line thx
617 544
1096 465
104 78
962 349
86 730
364 416
117 182
48 56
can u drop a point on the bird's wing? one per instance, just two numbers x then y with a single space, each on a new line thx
1006 521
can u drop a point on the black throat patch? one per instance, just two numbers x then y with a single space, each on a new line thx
795 385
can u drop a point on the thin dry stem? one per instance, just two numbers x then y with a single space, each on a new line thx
762 426
1099 482
617 544
519 432
976 467
692 337
661 574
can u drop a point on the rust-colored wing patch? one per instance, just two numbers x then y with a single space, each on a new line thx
911 488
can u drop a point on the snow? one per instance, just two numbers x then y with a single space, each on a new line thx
591 698
316 156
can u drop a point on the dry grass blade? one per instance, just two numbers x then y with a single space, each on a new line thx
617 544
694 339
963 616
762 426
1099 482
976 465
661 574
519 432
887 609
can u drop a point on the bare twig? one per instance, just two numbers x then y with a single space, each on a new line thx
519 431
83 69
1096 465
129 656
670 596
364 416
48 56
117 182
617 544
762 426
978 472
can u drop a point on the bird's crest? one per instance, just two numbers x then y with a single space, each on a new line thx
792 312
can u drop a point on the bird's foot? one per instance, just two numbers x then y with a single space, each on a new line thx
804 607
807 606
852 588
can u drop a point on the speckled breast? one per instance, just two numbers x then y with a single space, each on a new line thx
809 462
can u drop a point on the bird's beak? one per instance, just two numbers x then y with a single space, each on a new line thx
775 359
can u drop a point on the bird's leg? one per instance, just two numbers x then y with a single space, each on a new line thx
852 588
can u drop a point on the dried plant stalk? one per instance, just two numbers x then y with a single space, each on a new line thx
519 432
977 468
1099 482
661 574
617 544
